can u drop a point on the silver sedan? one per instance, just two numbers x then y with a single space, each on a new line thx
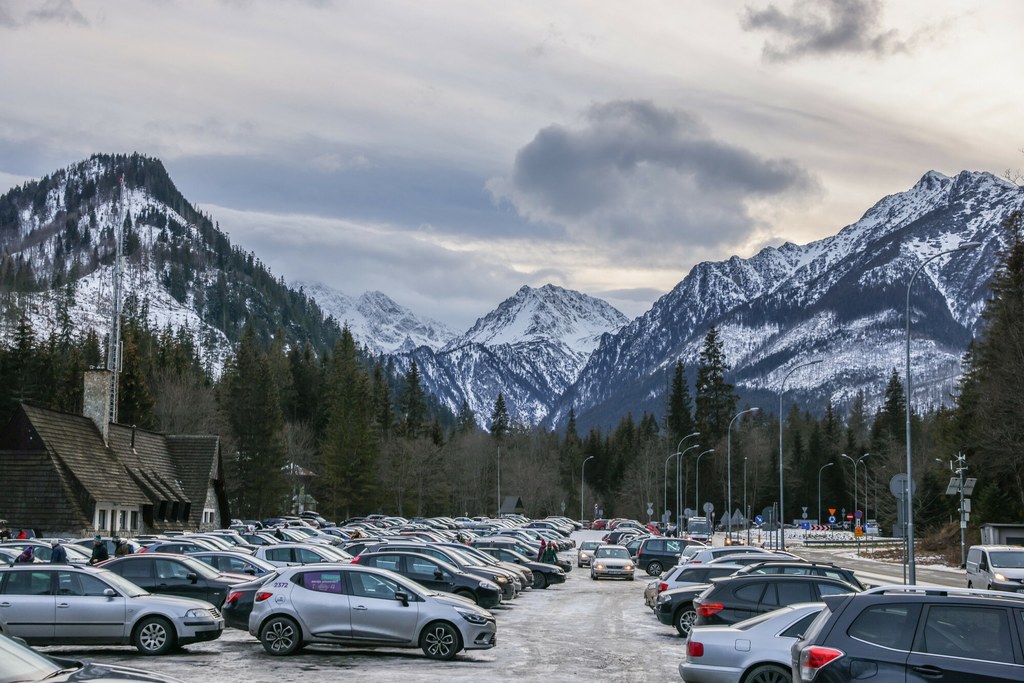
753 651
612 561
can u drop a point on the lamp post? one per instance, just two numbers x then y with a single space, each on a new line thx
583 470
682 494
696 483
679 478
746 521
728 466
665 497
911 567
855 463
782 514
828 464
499 484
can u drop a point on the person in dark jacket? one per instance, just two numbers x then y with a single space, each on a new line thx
58 555
550 554
99 551
123 548
26 555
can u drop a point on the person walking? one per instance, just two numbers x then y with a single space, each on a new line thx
5 533
122 548
99 550
550 554
26 556
540 553
57 553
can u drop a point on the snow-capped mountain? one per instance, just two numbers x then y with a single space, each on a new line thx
380 325
841 299
530 348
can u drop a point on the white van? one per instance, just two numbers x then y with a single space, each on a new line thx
996 567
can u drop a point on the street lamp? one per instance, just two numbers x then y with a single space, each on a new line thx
583 470
828 464
682 494
728 466
696 483
665 496
782 508
746 521
679 478
855 463
912 569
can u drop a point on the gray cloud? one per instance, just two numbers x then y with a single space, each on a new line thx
51 11
636 174
824 27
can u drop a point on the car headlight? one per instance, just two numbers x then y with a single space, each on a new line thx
502 579
472 617
599 566
999 577
628 567
489 585
198 614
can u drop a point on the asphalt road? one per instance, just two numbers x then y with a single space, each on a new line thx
582 629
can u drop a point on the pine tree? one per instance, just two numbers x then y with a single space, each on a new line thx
716 399
466 420
413 404
679 418
500 420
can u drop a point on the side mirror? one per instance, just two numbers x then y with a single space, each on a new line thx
109 592
403 597
438 574
250 571
192 576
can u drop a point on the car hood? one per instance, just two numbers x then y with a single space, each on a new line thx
613 561
79 671
173 601
458 601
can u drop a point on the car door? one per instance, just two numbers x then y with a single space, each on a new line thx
281 557
320 599
172 578
427 572
376 613
139 570
966 644
27 605
308 556
85 612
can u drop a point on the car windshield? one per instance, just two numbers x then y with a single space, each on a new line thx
621 553
121 585
201 568
19 663
590 545
1007 559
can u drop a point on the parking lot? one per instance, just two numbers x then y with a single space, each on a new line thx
582 629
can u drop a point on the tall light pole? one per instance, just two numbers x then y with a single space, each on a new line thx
782 507
828 464
682 494
499 484
583 470
728 466
665 499
746 521
679 478
912 569
855 463
696 483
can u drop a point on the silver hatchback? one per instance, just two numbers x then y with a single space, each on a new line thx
347 604
65 604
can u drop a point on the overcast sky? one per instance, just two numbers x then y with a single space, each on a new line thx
448 152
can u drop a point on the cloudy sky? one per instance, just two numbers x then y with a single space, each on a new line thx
448 152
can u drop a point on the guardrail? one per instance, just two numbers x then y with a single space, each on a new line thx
850 542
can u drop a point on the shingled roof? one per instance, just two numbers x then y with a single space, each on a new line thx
197 460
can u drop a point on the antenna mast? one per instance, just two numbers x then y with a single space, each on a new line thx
114 350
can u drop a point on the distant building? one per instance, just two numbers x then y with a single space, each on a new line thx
78 475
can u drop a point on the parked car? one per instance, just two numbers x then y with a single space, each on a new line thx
287 554
180 546
508 582
685 576
586 552
742 596
234 562
756 650
41 550
544 574
904 633
657 552
519 570
358 605
180 575
20 663
238 604
436 575
711 552
74 605
612 561
755 558
996 567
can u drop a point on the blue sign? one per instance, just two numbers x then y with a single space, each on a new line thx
805 525
759 519
832 519
857 514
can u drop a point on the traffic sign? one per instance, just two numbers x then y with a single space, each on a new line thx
803 515
758 519
832 519
849 517
709 508
831 511
650 510
858 514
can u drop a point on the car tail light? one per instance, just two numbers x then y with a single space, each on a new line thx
232 597
354 560
814 657
694 649
263 595
710 608
662 586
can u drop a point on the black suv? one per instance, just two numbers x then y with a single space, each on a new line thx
736 598
657 552
804 568
914 633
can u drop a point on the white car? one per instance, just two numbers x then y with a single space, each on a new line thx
612 561
291 554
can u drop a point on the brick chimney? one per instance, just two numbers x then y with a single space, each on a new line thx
96 400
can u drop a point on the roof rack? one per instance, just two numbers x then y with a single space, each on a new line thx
945 591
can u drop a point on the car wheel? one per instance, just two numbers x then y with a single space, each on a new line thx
280 636
544 581
154 636
440 640
538 580
468 594
684 620
767 673
655 568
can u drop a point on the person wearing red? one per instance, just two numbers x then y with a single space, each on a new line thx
21 534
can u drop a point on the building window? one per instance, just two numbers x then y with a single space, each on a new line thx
122 518
102 515
135 520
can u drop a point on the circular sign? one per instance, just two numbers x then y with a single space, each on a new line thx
849 516
709 508
831 519
804 515
897 484
759 519
650 511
